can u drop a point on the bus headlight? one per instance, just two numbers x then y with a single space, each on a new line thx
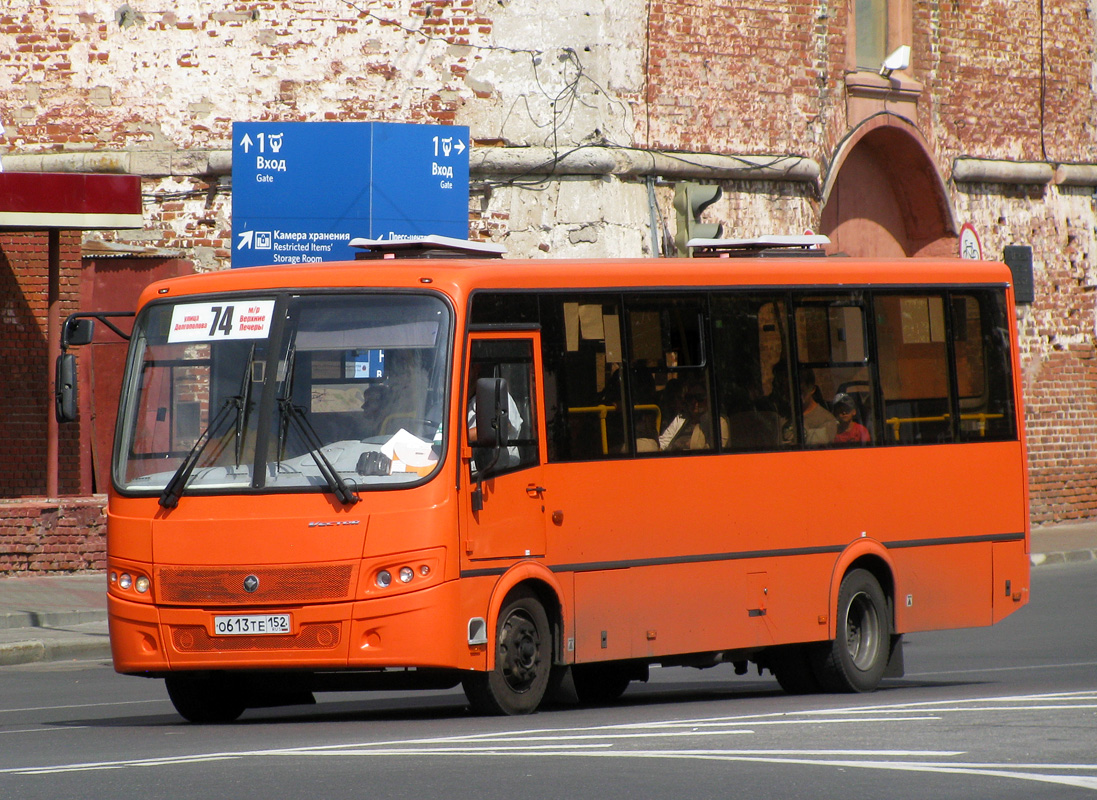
406 574
384 578
141 584
125 580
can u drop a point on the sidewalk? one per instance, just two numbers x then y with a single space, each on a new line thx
64 617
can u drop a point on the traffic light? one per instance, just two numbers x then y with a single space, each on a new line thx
690 199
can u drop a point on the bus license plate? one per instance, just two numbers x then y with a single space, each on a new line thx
251 625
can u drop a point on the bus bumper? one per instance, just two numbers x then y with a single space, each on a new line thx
419 629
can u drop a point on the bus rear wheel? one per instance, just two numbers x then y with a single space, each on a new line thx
205 699
523 660
855 661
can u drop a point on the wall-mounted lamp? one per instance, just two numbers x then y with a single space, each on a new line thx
898 60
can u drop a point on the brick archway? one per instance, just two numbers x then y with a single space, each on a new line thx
884 196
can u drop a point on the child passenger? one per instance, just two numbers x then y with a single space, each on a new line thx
849 430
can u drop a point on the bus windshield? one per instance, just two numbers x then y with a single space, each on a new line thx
333 392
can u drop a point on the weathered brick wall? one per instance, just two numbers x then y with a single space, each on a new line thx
733 77
1058 360
1001 80
1006 84
49 536
24 363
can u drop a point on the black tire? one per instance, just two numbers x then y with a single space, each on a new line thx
600 684
855 661
206 699
792 667
523 660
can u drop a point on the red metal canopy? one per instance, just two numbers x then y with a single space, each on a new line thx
38 201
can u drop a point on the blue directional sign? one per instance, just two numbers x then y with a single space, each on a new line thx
302 190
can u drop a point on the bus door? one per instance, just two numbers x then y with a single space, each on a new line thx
504 491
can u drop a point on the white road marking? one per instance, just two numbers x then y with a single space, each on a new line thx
79 705
613 741
989 670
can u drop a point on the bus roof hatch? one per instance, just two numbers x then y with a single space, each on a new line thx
425 247
780 246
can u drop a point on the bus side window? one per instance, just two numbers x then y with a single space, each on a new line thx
584 377
671 387
834 365
913 363
750 350
981 353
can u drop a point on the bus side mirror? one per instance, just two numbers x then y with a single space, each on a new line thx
77 331
64 396
492 412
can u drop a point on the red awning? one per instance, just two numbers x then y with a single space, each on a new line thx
69 201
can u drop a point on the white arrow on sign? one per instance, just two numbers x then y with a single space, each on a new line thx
246 143
245 240
460 146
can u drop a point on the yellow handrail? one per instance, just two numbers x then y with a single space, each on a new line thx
896 422
602 411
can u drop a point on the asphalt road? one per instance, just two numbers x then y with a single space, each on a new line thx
1002 712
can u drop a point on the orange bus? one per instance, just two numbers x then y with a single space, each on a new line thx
540 478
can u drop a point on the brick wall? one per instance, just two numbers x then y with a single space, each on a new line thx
1001 80
44 536
24 367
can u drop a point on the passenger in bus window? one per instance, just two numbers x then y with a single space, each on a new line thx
820 426
691 427
850 431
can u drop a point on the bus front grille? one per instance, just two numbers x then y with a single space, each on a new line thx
216 586
195 639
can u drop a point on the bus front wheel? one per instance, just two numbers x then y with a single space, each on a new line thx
523 660
855 661
207 699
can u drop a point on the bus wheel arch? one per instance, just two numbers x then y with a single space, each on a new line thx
542 583
870 556
522 658
857 657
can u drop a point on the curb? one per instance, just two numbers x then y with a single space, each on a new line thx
59 636
36 651
49 619
1069 557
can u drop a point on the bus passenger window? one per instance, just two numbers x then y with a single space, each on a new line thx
750 335
584 377
983 368
670 377
834 368
914 375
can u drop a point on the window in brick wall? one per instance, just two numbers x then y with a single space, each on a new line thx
871 26
876 28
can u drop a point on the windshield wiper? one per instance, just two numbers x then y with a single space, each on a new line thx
289 412
241 404
174 490
245 397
